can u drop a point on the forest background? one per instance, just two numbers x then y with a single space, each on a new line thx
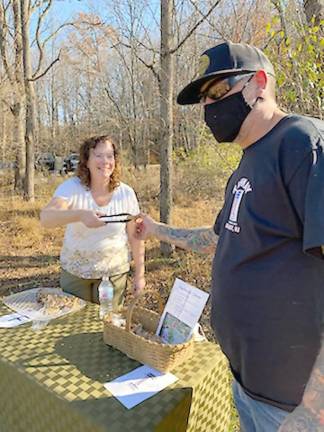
70 69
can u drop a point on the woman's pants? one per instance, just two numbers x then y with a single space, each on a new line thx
87 289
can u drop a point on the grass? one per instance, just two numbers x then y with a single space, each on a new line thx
30 254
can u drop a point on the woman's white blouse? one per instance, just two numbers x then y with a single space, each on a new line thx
90 253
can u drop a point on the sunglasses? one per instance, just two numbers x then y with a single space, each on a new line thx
217 89
117 218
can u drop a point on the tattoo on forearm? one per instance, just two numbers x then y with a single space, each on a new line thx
198 240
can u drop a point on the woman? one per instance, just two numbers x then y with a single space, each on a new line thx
93 248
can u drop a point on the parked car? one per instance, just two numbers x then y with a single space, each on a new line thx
6 171
71 162
45 161
7 165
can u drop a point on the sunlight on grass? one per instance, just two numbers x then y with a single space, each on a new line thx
31 253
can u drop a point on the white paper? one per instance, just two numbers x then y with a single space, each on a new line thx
138 385
13 320
181 313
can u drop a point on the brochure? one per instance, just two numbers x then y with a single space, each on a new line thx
138 385
13 320
181 313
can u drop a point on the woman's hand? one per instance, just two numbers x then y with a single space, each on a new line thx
59 213
91 219
139 285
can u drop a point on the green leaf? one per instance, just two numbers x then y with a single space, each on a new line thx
275 19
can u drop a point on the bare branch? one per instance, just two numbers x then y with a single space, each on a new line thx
145 46
124 120
7 6
207 19
41 47
49 37
3 49
149 66
265 46
9 106
195 27
247 19
34 78
110 97
72 24
18 43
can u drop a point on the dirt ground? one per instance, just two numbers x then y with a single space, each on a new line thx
29 254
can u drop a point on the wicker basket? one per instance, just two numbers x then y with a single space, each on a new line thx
162 357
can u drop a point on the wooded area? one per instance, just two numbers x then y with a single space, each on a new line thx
117 72
116 67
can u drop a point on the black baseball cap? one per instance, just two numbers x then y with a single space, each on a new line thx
221 61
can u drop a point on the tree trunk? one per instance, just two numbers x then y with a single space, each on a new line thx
19 140
18 108
30 101
166 117
3 135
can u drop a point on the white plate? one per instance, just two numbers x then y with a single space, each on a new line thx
25 303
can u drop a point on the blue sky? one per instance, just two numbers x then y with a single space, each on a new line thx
65 10
62 9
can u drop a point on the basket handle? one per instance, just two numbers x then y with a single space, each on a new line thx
131 306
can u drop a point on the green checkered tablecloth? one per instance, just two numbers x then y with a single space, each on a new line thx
52 381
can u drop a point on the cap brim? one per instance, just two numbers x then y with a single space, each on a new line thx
191 93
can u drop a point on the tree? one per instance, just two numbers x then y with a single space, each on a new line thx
314 9
166 116
13 67
296 50
25 10
166 106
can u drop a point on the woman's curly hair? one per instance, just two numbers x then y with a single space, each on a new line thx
83 171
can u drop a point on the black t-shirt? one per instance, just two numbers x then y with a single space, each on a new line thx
268 271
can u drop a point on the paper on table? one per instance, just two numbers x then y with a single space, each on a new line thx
181 313
13 320
138 385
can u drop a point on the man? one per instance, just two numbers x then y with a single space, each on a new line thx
268 270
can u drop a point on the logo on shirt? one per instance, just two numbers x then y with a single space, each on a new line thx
242 187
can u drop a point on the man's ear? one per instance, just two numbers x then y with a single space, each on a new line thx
261 79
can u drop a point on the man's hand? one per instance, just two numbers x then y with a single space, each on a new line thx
202 240
91 219
303 420
144 226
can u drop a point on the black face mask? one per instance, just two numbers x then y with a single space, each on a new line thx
225 117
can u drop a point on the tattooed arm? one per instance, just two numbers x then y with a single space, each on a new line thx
201 240
309 415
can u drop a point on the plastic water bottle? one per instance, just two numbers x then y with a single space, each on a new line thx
106 295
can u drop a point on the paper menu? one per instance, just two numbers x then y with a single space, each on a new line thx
138 385
13 320
182 312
